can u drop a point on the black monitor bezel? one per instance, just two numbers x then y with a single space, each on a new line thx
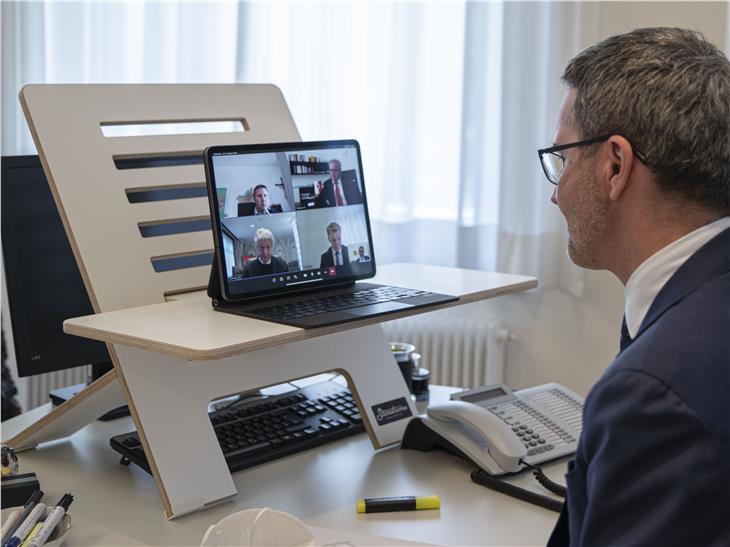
19 314
216 224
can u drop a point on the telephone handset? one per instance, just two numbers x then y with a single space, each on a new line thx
486 439
498 429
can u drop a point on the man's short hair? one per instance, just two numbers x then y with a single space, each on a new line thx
333 227
338 162
256 188
667 90
263 233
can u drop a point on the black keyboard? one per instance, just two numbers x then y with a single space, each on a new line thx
316 306
251 432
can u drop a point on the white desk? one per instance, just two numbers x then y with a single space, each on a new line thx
118 505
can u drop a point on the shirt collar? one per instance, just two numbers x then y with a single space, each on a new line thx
649 278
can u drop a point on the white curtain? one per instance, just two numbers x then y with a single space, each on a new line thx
449 100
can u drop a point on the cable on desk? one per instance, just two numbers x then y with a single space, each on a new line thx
485 479
545 481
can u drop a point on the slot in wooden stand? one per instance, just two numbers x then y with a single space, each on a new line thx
172 357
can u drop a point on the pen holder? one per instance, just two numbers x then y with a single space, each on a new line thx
58 536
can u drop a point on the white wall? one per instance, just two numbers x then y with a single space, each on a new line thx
560 337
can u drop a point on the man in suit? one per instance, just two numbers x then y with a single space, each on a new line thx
264 263
260 205
336 255
361 256
338 191
642 173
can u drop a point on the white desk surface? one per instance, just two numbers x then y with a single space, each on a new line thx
188 327
118 505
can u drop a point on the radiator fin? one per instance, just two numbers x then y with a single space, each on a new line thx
40 385
459 351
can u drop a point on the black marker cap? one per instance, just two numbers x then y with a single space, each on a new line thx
66 502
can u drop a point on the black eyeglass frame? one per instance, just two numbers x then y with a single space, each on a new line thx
586 142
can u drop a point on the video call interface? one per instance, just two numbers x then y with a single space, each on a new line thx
291 217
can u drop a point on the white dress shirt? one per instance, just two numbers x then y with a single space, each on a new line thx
649 278
342 258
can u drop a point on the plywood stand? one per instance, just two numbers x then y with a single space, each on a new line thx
92 177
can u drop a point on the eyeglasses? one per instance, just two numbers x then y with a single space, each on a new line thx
554 163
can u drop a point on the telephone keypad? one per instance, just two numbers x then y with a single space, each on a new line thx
538 433
547 419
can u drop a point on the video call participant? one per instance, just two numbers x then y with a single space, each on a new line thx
361 256
338 191
260 205
336 255
642 175
264 263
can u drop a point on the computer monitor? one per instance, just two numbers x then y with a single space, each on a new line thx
43 280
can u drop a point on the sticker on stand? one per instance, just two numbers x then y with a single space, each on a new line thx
391 411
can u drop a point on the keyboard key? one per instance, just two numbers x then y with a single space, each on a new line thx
298 427
249 451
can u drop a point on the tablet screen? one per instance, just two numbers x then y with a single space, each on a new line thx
289 216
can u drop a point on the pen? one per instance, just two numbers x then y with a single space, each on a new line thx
27 525
8 525
402 503
52 521
34 498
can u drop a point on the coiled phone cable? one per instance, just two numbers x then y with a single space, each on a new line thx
485 479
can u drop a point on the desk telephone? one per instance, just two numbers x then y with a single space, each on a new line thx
497 428
504 432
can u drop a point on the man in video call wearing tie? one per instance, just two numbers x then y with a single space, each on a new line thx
338 191
260 205
361 256
336 255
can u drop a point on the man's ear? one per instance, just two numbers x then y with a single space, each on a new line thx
619 162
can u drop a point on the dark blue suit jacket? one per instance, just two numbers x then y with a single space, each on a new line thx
653 462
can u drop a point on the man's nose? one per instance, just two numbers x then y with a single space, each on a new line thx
554 197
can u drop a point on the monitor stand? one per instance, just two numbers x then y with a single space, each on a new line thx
61 395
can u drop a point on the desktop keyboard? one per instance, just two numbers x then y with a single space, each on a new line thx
316 306
251 432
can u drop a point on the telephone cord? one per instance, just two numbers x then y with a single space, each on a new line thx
544 480
482 477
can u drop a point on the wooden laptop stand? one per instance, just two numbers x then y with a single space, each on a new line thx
171 358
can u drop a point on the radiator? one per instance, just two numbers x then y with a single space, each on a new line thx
459 351
38 386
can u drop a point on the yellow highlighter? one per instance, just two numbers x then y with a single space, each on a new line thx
37 528
401 503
